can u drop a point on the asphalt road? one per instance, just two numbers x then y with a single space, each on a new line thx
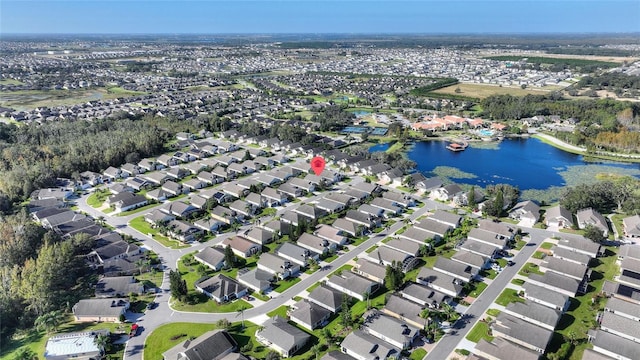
449 343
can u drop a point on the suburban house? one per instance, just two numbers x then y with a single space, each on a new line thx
472 259
439 281
590 216
534 313
182 230
613 346
242 247
221 288
521 332
392 330
282 337
456 269
526 212
348 227
543 296
118 286
571 256
500 348
424 295
212 345
100 310
557 282
566 268
363 346
211 257
370 270
278 266
309 314
78 345
259 235
327 297
296 254
558 217
447 218
405 310
256 279
446 193
316 244
581 245
127 201
631 226
331 234
353 285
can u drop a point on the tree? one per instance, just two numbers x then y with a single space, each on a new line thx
594 234
103 342
25 353
50 321
316 349
345 312
471 198
177 285
272 355
394 277
229 257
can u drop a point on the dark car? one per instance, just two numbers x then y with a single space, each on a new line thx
152 305
510 263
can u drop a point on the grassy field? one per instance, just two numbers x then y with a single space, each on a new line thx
31 99
160 340
280 311
529 268
556 60
484 90
285 284
546 245
10 82
480 286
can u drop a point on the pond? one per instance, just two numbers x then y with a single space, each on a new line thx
526 163
380 147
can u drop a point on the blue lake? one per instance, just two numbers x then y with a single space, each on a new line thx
526 163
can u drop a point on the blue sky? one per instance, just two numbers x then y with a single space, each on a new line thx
329 16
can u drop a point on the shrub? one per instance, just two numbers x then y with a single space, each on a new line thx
178 336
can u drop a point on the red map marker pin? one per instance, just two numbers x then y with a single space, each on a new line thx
317 165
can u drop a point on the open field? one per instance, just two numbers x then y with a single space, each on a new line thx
485 90
30 99
617 59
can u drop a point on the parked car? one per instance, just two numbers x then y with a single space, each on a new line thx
511 263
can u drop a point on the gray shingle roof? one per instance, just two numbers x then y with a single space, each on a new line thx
501 348
536 312
616 344
519 329
278 331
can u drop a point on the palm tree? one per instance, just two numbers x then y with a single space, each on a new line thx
448 311
25 354
316 350
102 341
50 321
367 295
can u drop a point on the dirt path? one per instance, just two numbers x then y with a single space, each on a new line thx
561 143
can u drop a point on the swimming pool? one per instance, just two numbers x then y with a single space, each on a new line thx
485 132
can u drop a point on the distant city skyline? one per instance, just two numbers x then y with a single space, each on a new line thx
329 16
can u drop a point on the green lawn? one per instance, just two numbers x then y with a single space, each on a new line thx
547 245
97 198
206 305
280 311
493 312
489 274
144 227
371 249
418 354
285 284
151 279
530 268
312 287
539 255
520 244
517 281
480 286
160 340
479 331
138 210
508 296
